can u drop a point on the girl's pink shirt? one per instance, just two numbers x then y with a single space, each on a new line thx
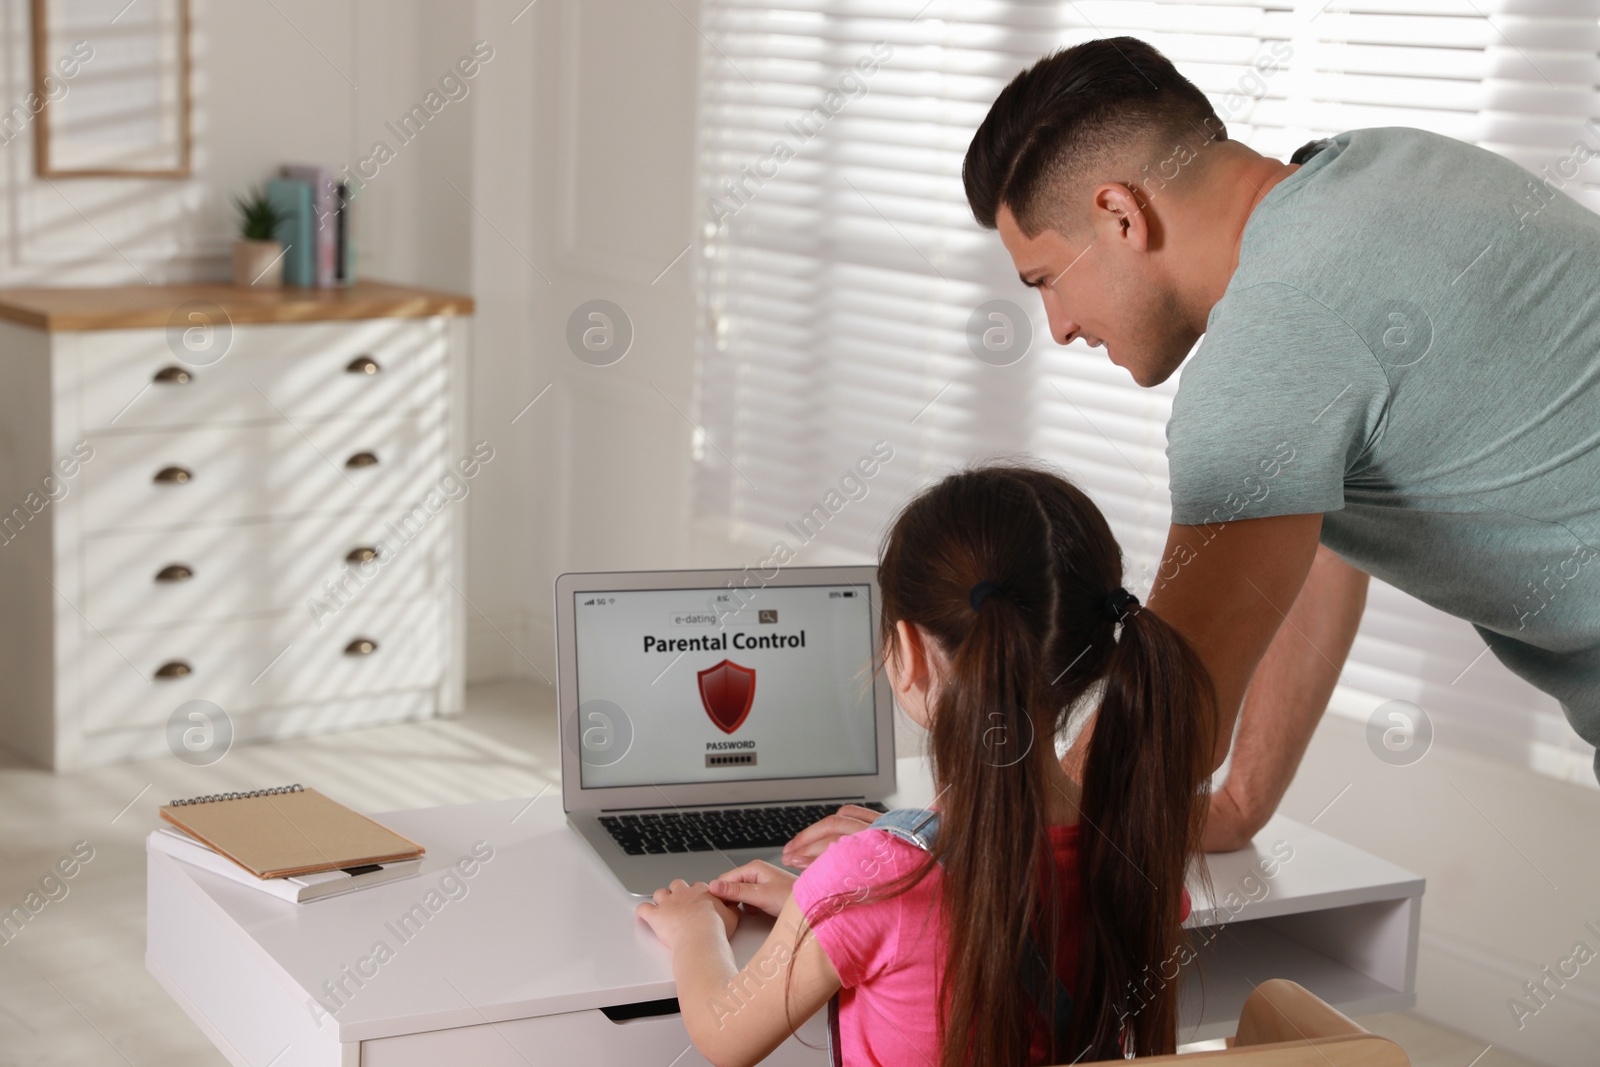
890 954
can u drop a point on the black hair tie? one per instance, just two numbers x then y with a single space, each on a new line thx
981 591
1119 604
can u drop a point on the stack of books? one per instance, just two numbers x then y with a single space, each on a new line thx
317 231
291 842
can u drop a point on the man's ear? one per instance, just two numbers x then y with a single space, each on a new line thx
1122 213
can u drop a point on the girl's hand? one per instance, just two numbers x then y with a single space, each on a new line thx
809 843
758 884
682 909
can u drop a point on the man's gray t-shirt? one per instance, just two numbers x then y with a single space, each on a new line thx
1411 345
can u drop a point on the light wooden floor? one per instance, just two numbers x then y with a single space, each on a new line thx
73 989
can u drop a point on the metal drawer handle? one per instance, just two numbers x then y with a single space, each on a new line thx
174 572
174 669
172 476
361 554
361 646
363 364
171 376
362 459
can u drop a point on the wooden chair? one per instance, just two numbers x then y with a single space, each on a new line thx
1285 1025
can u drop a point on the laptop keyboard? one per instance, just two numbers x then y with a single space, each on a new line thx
715 829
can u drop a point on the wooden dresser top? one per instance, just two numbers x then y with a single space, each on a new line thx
136 306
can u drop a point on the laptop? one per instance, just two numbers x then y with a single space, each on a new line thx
707 716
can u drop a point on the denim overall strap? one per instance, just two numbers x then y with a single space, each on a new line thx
915 826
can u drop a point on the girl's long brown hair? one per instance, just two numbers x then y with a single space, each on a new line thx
1014 672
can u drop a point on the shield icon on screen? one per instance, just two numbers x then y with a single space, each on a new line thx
727 691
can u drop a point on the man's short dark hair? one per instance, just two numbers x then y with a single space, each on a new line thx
1077 108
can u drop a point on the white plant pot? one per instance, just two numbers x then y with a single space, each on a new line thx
258 264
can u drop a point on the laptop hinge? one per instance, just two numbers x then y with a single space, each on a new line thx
735 804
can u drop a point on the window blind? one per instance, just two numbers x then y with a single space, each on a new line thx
842 279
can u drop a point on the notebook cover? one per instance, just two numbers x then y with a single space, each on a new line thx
290 833
293 199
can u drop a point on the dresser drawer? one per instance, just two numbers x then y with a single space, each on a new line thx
131 379
218 572
250 664
209 474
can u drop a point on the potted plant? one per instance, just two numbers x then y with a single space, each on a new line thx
258 255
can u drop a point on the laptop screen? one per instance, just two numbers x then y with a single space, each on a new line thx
705 685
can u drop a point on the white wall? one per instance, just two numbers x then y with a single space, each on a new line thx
262 95
613 120
1512 867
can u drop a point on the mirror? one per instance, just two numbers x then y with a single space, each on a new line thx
110 88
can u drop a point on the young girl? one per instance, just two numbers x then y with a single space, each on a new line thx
1003 616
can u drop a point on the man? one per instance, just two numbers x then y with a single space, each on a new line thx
1401 362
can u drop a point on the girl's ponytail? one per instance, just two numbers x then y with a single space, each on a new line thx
990 768
1143 811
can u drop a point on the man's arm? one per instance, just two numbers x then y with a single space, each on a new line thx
1286 700
1217 586
1225 588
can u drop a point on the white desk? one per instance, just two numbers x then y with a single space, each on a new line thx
516 971
1340 921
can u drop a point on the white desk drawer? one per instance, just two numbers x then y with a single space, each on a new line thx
207 474
258 663
213 573
578 1037
300 371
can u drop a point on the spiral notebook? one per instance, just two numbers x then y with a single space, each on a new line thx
288 830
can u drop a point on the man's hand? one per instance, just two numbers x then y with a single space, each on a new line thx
757 884
809 843
1227 828
682 909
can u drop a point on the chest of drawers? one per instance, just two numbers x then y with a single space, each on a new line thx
253 500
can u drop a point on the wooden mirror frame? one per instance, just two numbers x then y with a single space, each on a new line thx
41 127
